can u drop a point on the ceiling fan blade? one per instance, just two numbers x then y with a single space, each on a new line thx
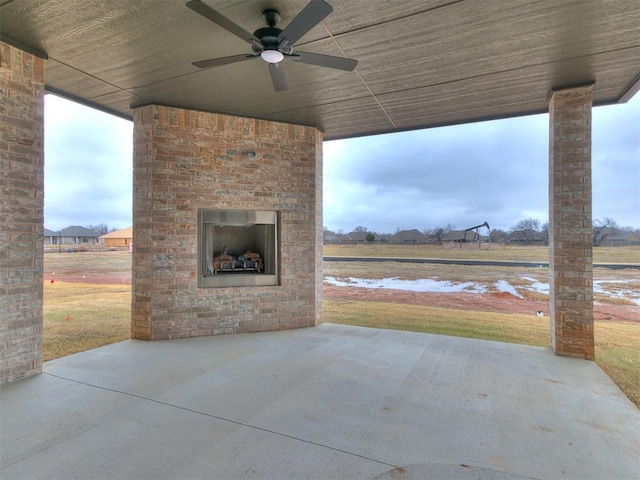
339 63
218 62
309 17
278 77
216 17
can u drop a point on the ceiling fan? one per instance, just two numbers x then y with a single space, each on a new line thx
273 44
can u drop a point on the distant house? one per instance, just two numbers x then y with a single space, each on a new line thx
409 236
455 236
358 237
51 237
620 240
330 237
76 235
528 238
119 238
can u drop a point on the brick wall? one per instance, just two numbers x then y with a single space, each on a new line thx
570 228
21 212
185 160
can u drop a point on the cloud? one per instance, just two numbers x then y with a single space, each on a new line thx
88 166
616 162
459 175
464 175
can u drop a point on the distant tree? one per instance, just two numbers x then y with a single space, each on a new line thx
601 228
435 232
526 231
101 228
450 227
360 229
370 237
497 235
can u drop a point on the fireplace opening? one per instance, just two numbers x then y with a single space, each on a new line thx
237 248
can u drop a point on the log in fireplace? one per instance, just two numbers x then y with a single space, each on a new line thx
237 248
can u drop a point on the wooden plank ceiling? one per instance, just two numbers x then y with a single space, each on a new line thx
422 63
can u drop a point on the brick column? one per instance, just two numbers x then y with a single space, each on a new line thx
318 183
21 212
570 229
185 160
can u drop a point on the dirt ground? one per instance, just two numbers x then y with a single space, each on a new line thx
490 302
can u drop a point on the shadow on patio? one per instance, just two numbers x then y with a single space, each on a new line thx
327 402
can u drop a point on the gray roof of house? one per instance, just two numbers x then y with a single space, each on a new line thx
409 236
358 236
50 233
621 237
78 231
454 235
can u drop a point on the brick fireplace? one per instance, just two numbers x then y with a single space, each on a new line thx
189 165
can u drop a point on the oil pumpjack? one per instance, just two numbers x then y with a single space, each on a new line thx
476 235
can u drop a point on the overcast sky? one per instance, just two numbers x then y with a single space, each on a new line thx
87 166
463 175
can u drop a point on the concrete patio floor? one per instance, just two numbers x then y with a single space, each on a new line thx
327 402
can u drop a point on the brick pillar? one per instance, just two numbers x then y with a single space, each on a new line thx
185 160
21 212
570 229
319 276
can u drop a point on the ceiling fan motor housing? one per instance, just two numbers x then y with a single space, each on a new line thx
272 17
268 36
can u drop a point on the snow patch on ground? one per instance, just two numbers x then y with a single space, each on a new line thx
504 286
608 287
536 286
605 287
421 285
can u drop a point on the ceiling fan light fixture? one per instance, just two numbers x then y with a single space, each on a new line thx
272 56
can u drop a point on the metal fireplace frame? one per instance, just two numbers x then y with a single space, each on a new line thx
261 222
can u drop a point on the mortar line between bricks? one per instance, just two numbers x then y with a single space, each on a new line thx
223 419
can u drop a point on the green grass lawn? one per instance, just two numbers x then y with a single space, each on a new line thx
80 316
482 251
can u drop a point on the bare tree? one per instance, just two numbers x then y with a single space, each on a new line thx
360 229
526 231
601 228
101 228
497 235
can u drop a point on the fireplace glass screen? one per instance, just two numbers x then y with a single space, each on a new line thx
237 248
